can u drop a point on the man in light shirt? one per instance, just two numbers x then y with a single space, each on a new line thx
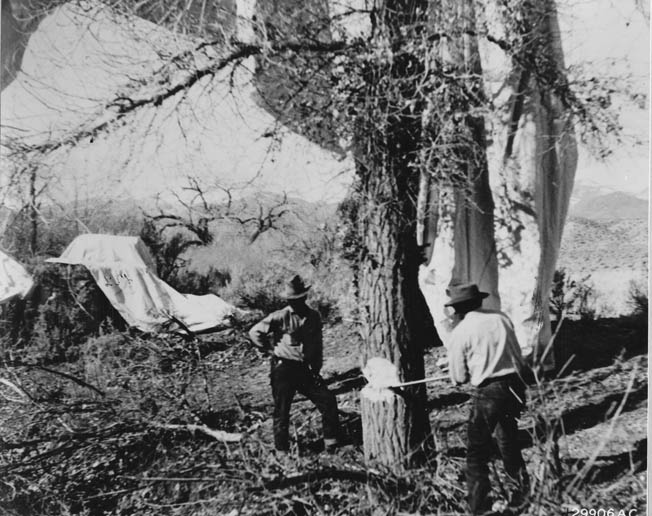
293 335
484 351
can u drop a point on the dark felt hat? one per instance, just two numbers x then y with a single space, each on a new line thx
295 288
465 292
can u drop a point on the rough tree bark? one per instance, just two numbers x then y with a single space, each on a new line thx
396 323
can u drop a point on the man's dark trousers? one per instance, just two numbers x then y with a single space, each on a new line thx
289 377
496 405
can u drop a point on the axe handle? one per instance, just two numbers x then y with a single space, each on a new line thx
425 380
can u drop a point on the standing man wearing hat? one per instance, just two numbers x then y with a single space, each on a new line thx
294 337
484 351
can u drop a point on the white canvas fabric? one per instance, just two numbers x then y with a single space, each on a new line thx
525 200
14 279
107 250
124 269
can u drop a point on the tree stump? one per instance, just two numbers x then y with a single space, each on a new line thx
384 432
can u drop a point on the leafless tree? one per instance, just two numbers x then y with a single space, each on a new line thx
191 220
256 215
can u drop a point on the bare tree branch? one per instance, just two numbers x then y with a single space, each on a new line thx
123 105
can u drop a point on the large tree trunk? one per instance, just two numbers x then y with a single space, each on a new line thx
397 325
11 46
18 23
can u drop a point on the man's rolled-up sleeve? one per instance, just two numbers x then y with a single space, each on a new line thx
260 333
457 367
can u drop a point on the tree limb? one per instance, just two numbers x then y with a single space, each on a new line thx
70 377
123 105
219 435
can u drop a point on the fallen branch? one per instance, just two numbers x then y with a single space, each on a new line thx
70 377
219 435
122 105
24 396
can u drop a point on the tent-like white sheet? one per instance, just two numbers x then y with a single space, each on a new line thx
14 279
124 269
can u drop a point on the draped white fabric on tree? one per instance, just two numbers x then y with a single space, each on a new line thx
532 160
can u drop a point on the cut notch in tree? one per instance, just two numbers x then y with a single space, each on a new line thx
382 406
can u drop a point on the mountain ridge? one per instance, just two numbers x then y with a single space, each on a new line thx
614 205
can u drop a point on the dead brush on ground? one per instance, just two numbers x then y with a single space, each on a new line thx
561 484
558 483
69 433
123 431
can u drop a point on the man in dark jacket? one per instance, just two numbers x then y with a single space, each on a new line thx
293 335
483 350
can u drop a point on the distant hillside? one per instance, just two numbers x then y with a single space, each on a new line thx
589 245
606 229
611 206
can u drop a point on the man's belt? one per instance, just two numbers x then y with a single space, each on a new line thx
277 360
511 377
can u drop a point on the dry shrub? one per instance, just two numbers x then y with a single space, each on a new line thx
257 290
638 299
200 283
65 308
111 361
571 297
259 286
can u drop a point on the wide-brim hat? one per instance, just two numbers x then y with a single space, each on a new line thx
465 292
295 288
